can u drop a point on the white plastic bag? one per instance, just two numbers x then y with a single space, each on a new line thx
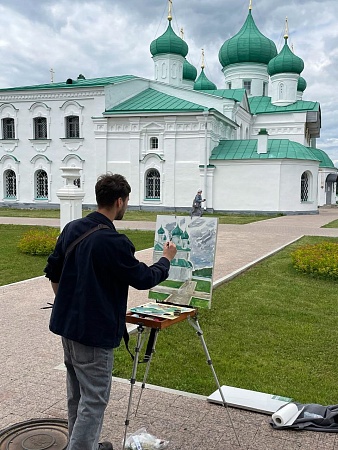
141 440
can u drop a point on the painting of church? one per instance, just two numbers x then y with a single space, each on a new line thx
181 266
191 271
249 144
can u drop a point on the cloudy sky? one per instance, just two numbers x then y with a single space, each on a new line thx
111 37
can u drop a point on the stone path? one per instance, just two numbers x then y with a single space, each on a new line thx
32 378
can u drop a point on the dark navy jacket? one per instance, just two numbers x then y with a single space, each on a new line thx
91 302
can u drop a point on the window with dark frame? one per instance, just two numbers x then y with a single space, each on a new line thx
247 86
153 143
153 184
72 127
304 191
265 89
10 184
8 128
41 185
40 128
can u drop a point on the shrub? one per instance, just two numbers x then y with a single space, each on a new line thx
38 242
317 259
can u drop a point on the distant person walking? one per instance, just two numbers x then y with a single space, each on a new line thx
197 204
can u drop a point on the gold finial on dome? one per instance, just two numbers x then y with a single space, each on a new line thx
286 35
202 65
170 9
250 5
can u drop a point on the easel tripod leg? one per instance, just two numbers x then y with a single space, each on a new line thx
156 331
140 330
194 323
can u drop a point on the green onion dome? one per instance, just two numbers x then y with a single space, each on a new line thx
248 45
177 231
301 86
169 42
189 71
203 83
285 62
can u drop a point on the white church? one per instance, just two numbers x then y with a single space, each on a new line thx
250 144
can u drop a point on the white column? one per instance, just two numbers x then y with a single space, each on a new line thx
70 196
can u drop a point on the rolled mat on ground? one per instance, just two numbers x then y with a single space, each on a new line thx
309 417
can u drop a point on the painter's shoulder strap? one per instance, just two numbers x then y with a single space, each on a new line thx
100 226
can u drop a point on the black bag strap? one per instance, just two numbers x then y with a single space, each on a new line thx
149 348
100 226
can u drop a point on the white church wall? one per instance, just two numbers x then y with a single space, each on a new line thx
262 186
48 154
246 186
236 74
282 126
290 186
284 88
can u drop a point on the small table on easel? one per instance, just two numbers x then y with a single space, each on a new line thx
157 323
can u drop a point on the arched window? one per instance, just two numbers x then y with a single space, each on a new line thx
304 190
153 184
72 127
40 127
41 185
10 184
153 143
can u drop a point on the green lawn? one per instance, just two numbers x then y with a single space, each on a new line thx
270 329
134 215
333 224
16 266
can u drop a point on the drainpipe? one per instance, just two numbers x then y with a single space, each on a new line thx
206 114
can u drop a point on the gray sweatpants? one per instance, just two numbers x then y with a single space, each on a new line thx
89 374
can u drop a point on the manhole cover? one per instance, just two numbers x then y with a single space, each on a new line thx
36 434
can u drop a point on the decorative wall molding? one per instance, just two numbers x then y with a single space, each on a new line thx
9 145
51 96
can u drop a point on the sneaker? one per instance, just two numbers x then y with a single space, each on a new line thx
105 446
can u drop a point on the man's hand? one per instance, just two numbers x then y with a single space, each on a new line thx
169 250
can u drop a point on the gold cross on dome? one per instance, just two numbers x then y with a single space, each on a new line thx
170 9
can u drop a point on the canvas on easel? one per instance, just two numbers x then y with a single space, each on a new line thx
191 271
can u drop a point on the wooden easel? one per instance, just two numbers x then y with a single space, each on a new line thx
156 324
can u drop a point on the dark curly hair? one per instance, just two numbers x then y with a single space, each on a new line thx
109 188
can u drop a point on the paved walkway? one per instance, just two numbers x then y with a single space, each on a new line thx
32 377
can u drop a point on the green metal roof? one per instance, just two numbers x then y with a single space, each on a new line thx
248 45
247 149
231 94
325 160
169 42
262 105
78 83
285 62
189 71
154 101
203 83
